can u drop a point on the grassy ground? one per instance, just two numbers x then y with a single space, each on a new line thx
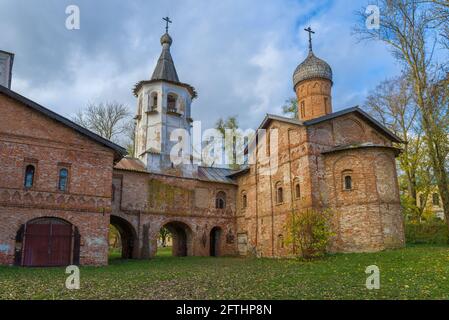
417 272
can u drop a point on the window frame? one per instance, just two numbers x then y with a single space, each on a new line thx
218 198
279 188
33 178
244 200
345 182
60 169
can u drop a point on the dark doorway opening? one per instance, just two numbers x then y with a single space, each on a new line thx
180 236
122 237
214 246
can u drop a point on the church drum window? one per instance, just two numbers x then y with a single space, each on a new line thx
297 191
279 193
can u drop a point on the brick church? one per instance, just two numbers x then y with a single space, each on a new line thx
62 186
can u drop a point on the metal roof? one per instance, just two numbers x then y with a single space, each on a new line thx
165 67
361 146
312 67
131 164
363 114
213 174
119 151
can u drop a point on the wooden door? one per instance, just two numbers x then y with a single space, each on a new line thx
48 242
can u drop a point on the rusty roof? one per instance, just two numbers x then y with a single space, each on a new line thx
131 164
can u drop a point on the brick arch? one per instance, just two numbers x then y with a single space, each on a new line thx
385 171
354 163
349 130
59 235
182 234
215 240
128 236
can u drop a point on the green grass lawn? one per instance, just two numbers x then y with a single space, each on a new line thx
417 272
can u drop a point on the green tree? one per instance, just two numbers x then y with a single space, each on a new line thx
309 232
230 145
290 108
407 27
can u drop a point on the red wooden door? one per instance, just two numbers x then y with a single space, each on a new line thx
48 242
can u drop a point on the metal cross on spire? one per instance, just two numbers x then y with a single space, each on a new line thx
167 21
310 31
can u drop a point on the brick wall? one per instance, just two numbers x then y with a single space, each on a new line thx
29 137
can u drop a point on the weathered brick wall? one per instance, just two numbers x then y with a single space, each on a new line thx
27 136
315 96
369 217
150 201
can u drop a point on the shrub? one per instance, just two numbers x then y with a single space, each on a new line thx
309 231
434 232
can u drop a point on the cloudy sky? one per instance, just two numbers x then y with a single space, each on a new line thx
239 54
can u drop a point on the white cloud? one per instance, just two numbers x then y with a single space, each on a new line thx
239 55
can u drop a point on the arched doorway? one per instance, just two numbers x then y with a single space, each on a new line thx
214 246
126 236
47 242
181 238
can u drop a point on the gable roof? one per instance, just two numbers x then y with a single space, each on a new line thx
131 164
269 117
119 151
361 113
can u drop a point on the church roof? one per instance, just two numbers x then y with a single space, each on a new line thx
212 174
119 152
361 113
165 67
131 164
362 146
312 67
165 70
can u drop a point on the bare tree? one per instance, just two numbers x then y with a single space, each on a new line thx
109 120
405 27
392 104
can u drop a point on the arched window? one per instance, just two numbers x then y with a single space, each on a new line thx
220 200
297 191
436 199
63 179
244 201
29 176
171 103
348 182
152 102
279 193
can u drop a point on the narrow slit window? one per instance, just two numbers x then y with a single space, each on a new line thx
63 179
29 176
348 183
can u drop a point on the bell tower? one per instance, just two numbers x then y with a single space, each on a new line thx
163 114
312 82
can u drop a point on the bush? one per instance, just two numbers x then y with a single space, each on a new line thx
435 232
309 231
